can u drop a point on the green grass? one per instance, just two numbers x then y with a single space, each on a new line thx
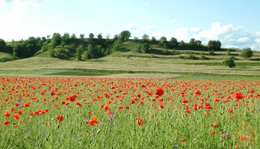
131 61
163 126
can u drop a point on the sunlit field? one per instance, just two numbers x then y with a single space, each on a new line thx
91 112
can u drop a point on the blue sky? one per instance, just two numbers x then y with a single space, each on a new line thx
235 23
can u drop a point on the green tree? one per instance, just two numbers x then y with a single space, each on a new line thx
214 44
56 39
51 52
173 43
124 35
73 37
65 38
81 37
80 49
192 43
163 41
145 38
99 36
153 40
2 45
229 62
247 53
145 47
91 36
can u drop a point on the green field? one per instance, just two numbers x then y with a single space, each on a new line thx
171 65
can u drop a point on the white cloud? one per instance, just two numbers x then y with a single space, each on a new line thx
140 28
243 39
228 34
19 21
258 34
196 29
172 22
131 26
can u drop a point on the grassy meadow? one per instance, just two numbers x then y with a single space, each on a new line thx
172 63
93 112
129 99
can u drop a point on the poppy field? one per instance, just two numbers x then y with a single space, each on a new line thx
91 112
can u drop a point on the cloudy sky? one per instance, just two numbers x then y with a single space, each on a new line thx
235 23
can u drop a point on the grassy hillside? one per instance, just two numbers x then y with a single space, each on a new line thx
158 61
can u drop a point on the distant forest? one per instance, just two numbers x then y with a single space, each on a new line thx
68 46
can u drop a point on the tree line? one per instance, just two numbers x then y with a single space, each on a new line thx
70 46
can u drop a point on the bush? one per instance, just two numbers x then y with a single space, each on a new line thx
145 47
211 52
229 62
247 53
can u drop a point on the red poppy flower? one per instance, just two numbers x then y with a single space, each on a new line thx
6 122
214 124
183 139
106 108
59 117
16 116
230 110
139 121
93 121
207 106
159 91
7 113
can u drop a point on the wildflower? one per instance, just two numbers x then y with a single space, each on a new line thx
214 124
183 139
159 91
230 110
7 113
242 137
207 106
212 131
110 113
6 122
120 108
106 108
59 117
139 121
16 116
238 96
197 93
93 120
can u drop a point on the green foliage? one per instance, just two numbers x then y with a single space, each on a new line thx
124 35
79 51
2 45
247 53
163 41
203 57
211 52
51 52
145 38
173 43
56 39
165 51
91 36
229 62
191 56
214 44
153 40
145 48
228 52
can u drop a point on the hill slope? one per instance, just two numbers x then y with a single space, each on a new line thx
130 61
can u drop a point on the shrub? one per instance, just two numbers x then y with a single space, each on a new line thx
229 62
247 53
